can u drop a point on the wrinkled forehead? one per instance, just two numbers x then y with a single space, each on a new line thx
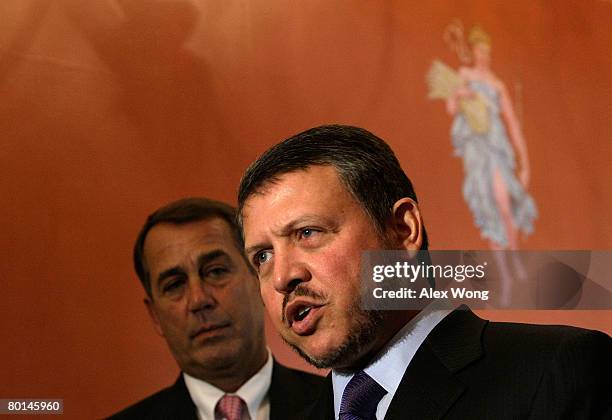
314 193
310 172
262 188
169 242
312 180
168 236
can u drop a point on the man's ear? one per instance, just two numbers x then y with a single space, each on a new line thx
153 315
407 224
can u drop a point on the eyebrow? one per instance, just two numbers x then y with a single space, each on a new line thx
203 259
286 230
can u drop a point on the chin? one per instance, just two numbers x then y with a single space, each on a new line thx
329 348
323 353
219 350
219 359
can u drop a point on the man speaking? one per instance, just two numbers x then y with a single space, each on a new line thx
308 208
203 298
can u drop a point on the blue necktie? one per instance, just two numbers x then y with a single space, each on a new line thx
360 398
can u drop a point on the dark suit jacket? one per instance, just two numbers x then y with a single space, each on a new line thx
290 391
469 368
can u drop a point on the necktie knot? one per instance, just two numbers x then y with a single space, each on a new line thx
230 407
360 398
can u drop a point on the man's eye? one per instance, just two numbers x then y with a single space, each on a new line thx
262 257
216 272
172 286
307 233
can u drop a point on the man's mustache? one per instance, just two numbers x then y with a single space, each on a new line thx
300 290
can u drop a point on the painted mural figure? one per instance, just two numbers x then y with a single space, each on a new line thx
484 130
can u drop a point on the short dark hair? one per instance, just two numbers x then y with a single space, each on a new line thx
186 210
365 164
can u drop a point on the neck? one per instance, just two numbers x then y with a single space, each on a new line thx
482 67
230 378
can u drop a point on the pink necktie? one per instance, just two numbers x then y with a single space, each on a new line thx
230 407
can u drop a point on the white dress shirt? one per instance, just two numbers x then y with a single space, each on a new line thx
254 392
389 369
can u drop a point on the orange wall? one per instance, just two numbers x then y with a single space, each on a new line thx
109 109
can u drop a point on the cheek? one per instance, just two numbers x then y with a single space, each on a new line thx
242 301
272 300
172 326
338 269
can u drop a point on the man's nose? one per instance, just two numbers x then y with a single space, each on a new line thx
200 295
289 271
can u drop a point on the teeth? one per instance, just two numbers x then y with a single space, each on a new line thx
302 313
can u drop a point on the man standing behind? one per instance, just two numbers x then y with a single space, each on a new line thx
203 298
309 207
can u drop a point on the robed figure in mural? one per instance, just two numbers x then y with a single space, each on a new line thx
486 134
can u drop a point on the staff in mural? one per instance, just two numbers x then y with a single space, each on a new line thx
483 120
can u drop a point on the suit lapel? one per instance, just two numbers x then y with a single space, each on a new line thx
178 404
429 387
323 407
280 396
290 392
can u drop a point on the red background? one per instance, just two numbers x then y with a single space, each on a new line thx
109 109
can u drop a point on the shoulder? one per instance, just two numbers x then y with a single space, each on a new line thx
546 371
495 82
465 73
521 350
546 345
548 338
569 369
173 400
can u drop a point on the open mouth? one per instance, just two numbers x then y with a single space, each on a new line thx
303 313
302 317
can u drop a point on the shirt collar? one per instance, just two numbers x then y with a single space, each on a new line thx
205 396
388 369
